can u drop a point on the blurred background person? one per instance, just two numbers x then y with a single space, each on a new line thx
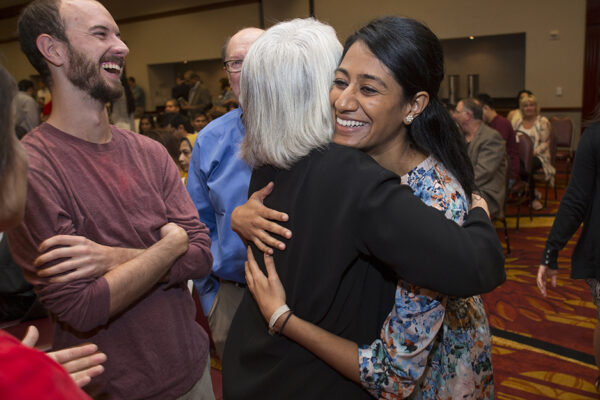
198 97
515 114
122 110
505 129
538 129
185 153
580 204
139 96
226 92
199 120
487 153
43 94
181 89
27 109
172 106
146 123
216 112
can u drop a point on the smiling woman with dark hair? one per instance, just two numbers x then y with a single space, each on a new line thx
357 229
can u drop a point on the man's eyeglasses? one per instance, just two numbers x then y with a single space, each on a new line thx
233 65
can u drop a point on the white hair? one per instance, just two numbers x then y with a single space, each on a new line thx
284 92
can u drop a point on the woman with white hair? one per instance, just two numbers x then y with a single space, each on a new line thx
356 228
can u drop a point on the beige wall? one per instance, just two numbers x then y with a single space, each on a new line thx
277 10
548 63
15 61
192 37
498 60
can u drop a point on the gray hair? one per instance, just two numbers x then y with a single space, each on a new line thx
284 92
474 106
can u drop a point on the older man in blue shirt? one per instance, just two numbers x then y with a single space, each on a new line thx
218 182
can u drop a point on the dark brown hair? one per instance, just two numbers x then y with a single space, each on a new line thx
40 16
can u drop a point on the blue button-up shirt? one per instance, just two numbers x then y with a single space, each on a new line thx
218 182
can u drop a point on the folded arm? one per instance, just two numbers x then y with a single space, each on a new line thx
132 279
82 258
114 277
180 210
87 296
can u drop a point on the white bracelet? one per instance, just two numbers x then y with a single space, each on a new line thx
278 313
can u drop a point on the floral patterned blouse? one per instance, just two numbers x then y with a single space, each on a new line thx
431 346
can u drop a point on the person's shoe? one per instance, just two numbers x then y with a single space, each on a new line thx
536 205
597 384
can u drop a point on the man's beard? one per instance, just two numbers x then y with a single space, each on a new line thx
84 74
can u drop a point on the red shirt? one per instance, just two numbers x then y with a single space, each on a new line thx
27 373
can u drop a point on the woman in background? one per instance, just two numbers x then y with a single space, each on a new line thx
146 124
538 129
514 115
186 145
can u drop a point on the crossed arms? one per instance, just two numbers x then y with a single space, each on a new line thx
84 283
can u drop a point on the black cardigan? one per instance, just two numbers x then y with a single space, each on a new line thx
353 223
581 203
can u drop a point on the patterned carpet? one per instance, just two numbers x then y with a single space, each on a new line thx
542 347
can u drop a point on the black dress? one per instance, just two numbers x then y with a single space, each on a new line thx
356 231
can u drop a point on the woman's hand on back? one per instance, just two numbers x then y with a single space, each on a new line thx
266 290
478 201
253 222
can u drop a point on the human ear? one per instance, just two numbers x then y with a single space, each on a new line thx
416 106
419 102
53 50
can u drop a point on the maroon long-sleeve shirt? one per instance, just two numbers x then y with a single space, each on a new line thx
503 126
117 194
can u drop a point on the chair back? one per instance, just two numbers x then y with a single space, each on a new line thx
563 130
526 151
552 146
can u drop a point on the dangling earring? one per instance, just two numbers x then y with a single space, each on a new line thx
409 119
